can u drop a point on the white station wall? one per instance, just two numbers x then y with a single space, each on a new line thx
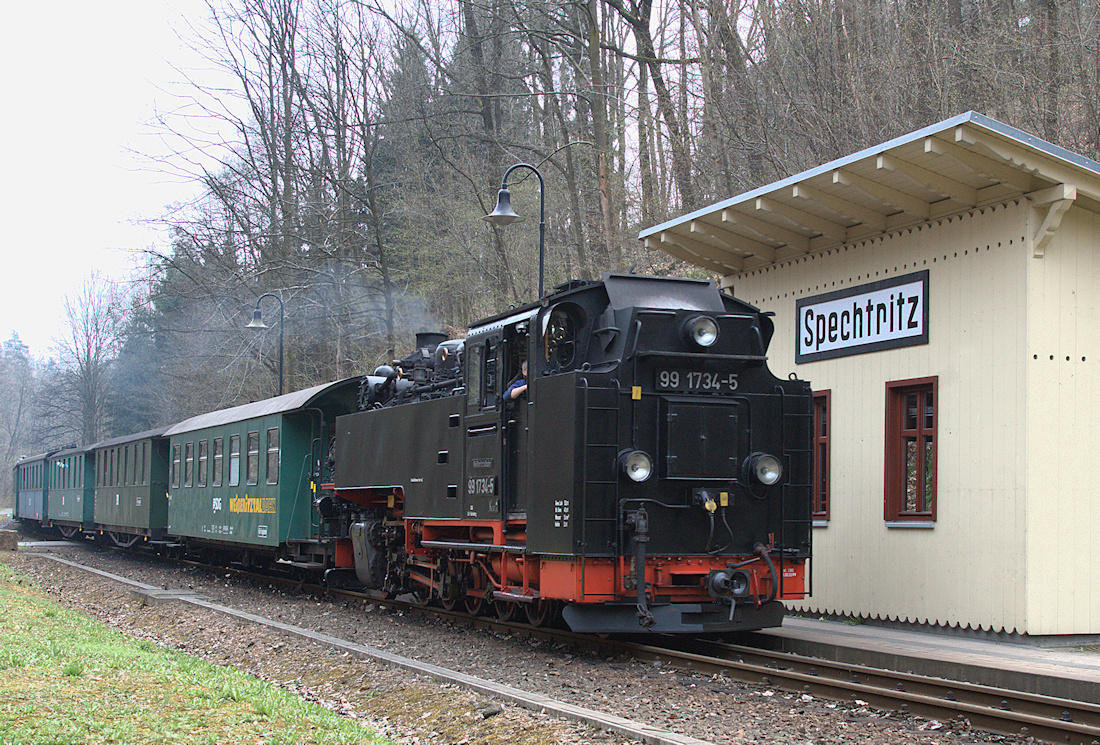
967 570
1063 363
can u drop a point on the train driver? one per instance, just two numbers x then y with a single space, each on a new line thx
519 387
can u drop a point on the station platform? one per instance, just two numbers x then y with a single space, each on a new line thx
1062 672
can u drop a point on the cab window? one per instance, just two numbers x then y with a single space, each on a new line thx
559 343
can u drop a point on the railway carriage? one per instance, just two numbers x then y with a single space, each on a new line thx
242 481
131 480
70 499
32 487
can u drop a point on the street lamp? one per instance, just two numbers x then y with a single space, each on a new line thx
504 215
258 323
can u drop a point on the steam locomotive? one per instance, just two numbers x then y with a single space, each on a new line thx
616 455
654 476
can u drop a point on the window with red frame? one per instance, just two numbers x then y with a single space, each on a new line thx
911 414
821 455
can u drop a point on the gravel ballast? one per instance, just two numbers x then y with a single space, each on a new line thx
410 709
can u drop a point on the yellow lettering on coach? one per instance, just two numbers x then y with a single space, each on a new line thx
252 505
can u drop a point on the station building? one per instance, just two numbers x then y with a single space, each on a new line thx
941 291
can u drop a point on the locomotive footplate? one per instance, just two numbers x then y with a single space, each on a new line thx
678 618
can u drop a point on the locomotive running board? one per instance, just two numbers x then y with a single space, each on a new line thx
699 618
463 546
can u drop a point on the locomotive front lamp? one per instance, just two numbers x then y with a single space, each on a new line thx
764 468
702 330
505 215
636 465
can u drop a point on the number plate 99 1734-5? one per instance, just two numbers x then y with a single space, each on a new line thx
695 381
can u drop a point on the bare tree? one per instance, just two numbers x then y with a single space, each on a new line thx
75 392
17 386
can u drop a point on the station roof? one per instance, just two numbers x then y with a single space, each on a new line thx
278 405
945 169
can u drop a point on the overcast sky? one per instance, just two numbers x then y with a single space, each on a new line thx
82 81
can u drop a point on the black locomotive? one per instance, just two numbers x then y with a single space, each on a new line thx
652 476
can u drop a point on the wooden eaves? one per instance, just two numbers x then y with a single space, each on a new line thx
966 162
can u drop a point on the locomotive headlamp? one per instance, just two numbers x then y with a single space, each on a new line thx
701 330
765 468
636 465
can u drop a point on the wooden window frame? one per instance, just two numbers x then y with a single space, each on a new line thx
218 457
252 465
895 509
202 462
188 465
234 460
176 449
822 483
272 456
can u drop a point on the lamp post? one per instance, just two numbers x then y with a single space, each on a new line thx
504 215
258 323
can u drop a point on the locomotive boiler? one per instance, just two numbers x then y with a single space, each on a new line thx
654 475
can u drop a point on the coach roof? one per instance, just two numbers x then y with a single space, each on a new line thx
288 402
122 440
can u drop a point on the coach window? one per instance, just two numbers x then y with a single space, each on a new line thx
910 489
216 476
252 475
189 464
273 455
234 460
144 475
821 457
176 466
200 479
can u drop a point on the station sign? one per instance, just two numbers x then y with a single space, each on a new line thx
881 315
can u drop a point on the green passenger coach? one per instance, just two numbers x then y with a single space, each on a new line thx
131 487
31 487
69 502
245 478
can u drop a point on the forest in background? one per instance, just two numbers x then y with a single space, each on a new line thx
360 143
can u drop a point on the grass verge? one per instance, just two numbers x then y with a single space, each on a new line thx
65 678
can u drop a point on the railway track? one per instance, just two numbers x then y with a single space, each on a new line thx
997 710
1045 718
1003 711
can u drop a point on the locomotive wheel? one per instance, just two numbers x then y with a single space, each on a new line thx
540 612
452 591
506 611
476 606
